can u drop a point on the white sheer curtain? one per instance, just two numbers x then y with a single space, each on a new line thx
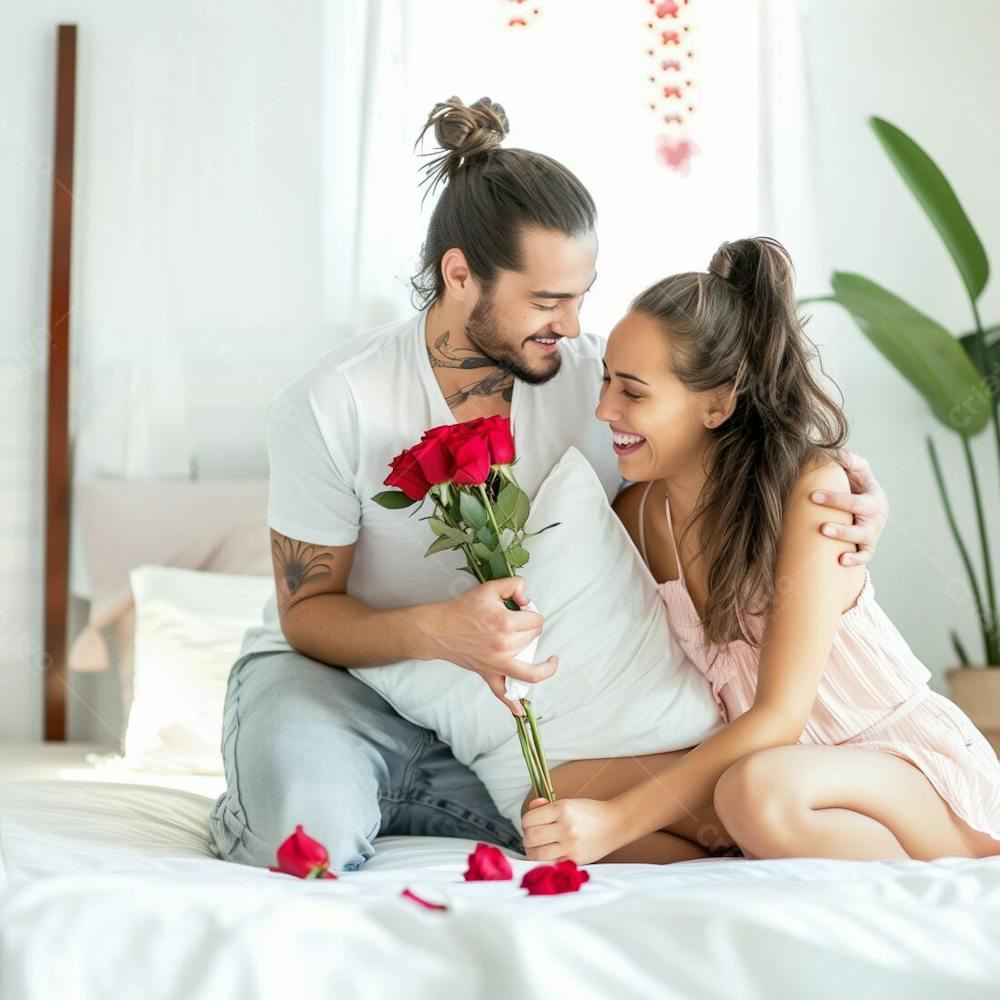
248 190
370 209
789 170
575 86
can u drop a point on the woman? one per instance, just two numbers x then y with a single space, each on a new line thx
834 745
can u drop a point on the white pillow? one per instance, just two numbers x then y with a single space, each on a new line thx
623 686
189 625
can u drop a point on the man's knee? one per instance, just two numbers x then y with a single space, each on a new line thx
337 808
298 748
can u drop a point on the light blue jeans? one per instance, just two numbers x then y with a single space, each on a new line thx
306 742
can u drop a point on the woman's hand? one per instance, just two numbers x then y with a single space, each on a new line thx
583 830
866 501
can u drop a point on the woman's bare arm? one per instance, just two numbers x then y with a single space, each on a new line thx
811 592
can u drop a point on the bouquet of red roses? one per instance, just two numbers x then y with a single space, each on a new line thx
479 508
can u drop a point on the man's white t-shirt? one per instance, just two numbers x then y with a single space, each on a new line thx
332 432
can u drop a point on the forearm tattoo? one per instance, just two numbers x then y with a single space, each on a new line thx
496 382
300 562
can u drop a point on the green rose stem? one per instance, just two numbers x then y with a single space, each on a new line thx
496 530
534 741
470 558
543 765
522 735
535 762
531 741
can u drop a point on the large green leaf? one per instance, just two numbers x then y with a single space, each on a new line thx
992 337
920 349
938 199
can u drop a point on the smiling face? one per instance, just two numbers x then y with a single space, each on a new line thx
641 397
540 302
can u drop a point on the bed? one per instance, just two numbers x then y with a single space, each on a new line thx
110 887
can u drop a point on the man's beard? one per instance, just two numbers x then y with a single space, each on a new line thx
485 334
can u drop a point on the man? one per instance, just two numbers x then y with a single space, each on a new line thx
509 257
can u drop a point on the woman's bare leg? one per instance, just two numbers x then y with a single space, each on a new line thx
842 802
693 836
656 848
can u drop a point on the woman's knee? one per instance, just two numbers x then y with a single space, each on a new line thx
754 803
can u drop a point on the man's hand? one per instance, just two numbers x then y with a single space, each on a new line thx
478 632
868 503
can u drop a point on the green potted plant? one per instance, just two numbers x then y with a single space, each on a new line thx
959 377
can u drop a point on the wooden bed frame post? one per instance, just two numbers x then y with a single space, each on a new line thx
57 479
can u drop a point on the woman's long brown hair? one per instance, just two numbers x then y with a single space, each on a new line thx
736 325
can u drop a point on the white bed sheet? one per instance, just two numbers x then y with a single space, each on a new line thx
111 889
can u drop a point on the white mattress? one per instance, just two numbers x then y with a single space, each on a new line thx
111 890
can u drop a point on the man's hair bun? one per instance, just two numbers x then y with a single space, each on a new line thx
462 131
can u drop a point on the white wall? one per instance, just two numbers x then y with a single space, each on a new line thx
931 69
196 251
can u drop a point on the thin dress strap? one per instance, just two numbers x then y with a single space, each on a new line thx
673 542
642 522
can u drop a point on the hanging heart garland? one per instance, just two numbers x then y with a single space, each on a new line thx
669 54
520 14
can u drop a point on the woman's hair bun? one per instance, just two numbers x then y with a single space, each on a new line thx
744 263
463 131
721 264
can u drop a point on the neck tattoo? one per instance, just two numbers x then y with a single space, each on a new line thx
497 382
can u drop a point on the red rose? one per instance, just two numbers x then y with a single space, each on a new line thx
408 476
459 453
442 431
500 439
488 864
549 880
435 459
303 857
471 451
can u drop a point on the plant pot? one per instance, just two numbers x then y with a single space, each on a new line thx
976 691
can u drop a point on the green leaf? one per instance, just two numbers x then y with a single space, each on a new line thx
920 349
531 534
440 545
393 499
447 531
487 537
481 551
522 507
473 512
517 556
938 199
503 509
968 341
963 656
498 566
